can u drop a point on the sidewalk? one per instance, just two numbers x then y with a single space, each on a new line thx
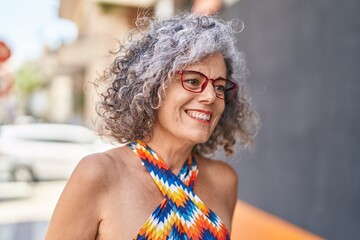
26 209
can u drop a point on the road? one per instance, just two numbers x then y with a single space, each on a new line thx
25 209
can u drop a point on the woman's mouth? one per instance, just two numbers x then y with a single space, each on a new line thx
203 116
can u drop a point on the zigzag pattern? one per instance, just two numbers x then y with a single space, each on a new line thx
181 214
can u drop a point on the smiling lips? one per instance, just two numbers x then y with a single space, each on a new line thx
201 115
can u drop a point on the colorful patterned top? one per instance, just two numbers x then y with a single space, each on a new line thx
181 214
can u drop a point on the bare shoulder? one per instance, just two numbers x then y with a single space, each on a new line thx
91 168
222 178
95 166
82 196
216 168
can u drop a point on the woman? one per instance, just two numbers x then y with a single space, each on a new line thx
175 97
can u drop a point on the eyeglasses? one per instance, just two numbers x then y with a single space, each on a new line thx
196 82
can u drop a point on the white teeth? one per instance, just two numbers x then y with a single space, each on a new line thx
200 116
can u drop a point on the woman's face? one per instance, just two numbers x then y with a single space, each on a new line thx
187 116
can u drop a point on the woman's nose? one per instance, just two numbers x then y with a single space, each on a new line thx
208 94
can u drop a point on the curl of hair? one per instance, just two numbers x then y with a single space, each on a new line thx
143 68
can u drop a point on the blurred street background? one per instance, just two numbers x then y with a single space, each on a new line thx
302 181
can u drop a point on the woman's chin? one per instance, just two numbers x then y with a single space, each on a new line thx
199 138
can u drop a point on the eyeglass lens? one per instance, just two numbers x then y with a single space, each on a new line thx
197 82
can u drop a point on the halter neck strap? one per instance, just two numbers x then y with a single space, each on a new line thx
181 214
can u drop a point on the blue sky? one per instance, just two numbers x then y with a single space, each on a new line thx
26 25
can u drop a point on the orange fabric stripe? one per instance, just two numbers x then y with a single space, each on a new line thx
251 223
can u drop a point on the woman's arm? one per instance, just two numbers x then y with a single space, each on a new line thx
77 213
232 190
228 186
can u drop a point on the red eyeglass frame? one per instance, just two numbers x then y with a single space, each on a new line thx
203 86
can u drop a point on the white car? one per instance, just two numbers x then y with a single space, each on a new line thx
33 152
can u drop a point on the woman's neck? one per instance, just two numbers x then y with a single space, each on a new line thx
173 154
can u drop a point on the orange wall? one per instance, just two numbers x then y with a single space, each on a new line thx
251 223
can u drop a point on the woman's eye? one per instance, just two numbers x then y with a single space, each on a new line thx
220 88
194 82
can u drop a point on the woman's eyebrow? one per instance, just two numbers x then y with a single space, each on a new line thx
220 77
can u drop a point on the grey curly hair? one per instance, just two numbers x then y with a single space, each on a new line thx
143 68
